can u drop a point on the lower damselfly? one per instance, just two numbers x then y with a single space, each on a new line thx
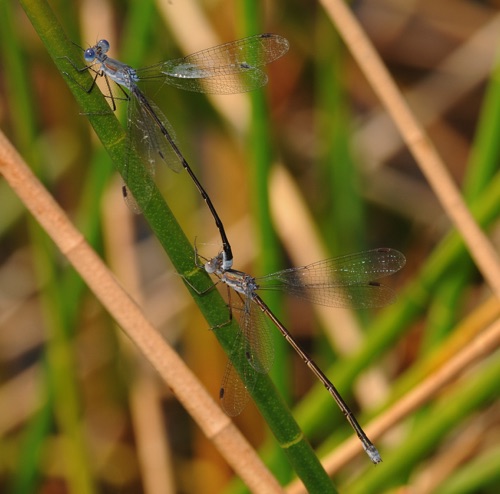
348 281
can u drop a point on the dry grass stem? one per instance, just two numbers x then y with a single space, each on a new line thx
433 96
417 141
199 404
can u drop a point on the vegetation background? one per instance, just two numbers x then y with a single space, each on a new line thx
311 167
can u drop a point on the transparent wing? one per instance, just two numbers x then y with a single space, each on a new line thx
152 135
225 69
149 134
347 281
253 348
256 327
221 84
233 392
137 135
255 51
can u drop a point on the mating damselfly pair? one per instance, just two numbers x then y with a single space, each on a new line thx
348 281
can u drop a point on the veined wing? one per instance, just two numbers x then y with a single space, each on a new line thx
224 69
253 348
346 281
149 133
152 134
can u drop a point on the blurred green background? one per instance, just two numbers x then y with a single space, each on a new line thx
307 168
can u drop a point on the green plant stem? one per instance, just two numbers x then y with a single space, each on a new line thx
173 240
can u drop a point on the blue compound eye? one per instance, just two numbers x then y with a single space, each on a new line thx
89 55
103 45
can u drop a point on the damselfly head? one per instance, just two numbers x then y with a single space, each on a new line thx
90 54
214 265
